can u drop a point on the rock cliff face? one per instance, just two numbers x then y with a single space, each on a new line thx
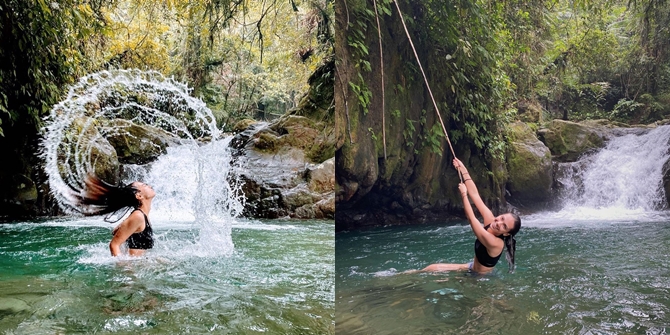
410 182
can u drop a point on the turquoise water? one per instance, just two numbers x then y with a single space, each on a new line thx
56 277
589 277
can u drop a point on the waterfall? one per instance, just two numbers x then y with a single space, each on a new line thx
624 180
192 176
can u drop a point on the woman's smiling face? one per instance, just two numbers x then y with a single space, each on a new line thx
502 224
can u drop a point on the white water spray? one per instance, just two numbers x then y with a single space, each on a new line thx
194 180
623 181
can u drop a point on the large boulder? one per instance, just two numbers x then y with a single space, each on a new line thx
282 173
568 140
105 161
137 144
529 167
97 150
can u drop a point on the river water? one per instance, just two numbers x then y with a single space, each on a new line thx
56 277
592 277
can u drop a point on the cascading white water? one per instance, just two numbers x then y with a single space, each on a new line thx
192 180
622 181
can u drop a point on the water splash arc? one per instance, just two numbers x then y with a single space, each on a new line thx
192 175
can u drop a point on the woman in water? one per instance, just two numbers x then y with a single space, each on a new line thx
496 234
101 198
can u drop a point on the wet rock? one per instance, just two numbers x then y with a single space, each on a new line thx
322 176
666 182
529 166
105 161
138 144
279 178
567 140
102 154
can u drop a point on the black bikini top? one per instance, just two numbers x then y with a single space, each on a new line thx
483 255
144 239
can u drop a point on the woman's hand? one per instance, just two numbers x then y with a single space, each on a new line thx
459 166
463 189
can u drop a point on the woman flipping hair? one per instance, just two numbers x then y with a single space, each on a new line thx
496 234
99 198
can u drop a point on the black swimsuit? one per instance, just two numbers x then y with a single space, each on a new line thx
144 239
483 255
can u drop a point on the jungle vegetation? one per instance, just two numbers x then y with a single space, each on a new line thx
528 60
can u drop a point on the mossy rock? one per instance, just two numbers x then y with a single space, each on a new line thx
266 142
567 140
142 143
529 167
12 306
529 111
242 125
105 161
102 154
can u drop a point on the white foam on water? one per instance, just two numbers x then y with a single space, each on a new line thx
386 273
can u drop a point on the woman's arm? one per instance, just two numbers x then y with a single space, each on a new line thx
128 227
486 238
486 213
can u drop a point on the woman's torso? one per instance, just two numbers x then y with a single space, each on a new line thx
139 242
483 261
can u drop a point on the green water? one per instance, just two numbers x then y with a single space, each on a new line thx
56 277
585 278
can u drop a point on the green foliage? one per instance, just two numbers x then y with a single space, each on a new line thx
245 59
470 56
580 58
625 108
363 94
433 139
372 134
408 132
42 50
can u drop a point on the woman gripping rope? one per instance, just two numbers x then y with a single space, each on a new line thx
496 234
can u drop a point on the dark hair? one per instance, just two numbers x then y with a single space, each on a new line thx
510 242
98 197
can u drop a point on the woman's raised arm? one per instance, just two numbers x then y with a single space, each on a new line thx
486 213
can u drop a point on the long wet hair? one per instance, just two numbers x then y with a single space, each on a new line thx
98 198
510 242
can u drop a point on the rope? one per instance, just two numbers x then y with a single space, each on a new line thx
428 86
381 62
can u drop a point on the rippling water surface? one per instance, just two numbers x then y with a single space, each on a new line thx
57 277
581 277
